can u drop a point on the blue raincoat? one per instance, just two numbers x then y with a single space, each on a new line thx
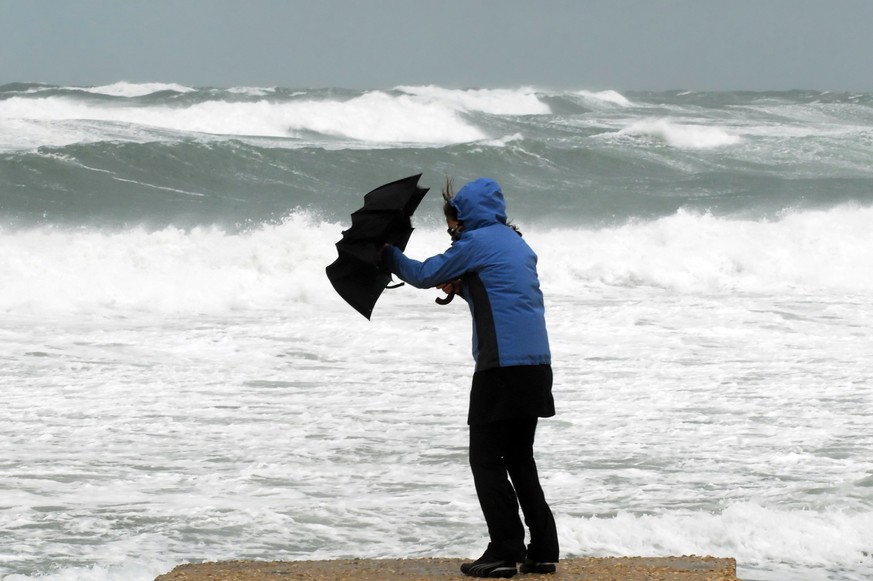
499 275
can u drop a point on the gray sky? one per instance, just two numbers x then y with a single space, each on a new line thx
560 44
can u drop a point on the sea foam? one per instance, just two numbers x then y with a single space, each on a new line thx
132 570
126 89
611 97
808 251
761 537
212 271
522 101
682 135
373 117
166 271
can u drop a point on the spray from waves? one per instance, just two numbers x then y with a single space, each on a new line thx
226 157
809 251
202 270
415 115
125 89
769 543
125 570
209 270
757 536
373 117
522 101
682 135
609 97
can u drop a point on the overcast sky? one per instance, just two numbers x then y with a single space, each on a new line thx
560 44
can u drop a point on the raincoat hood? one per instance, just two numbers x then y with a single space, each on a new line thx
480 203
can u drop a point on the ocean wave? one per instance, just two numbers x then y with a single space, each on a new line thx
522 101
125 89
256 91
165 271
767 543
211 270
126 569
426 115
595 157
373 117
804 251
787 544
682 135
608 96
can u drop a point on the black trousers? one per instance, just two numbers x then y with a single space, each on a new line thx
500 451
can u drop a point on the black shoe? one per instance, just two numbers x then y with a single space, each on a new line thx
534 567
487 566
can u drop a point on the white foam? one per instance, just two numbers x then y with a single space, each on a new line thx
609 96
379 117
767 542
253 91
805 251
374 117
132 570
204 270
758 537
125 89
523 101
212 271
504 141
682 135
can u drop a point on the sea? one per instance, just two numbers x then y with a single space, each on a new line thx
179 382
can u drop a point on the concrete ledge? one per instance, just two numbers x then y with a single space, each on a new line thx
686 568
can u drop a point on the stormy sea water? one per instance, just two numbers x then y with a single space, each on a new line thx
181 383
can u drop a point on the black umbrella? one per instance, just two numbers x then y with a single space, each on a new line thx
356 274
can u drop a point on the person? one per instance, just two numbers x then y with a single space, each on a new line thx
494 270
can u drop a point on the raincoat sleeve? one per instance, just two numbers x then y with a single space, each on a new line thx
441 268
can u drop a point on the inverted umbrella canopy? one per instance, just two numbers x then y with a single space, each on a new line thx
384 218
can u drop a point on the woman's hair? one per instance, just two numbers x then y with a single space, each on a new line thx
449 210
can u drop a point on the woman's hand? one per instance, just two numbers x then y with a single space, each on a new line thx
450 287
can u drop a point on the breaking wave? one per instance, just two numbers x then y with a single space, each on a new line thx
211 270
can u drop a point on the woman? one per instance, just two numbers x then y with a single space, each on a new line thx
494 270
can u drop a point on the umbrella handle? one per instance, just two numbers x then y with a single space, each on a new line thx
398 285
446 300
